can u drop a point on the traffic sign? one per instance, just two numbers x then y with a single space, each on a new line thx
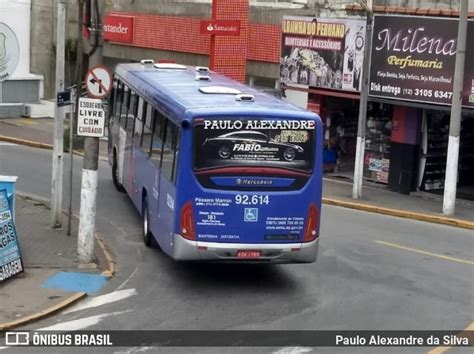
98 81
91 121
63 98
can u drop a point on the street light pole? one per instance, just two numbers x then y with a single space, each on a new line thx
364 93
58 144
450 183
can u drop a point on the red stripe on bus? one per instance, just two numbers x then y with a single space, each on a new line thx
252 170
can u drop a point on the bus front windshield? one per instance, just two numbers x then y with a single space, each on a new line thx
287 144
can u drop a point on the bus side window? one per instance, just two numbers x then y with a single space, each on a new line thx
158 131
169 150
113 95
118 100
132 112
138 129
124 107
176 155
147 135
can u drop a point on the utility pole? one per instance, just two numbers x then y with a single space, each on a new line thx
79 54
451 179
85 242
58 144
364 93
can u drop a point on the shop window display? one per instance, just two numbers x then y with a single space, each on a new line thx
377 142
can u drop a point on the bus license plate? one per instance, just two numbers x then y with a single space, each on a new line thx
249 254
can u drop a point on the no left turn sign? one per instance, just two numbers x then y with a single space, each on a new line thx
98 81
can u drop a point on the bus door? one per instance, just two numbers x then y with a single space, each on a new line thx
126 143
167 195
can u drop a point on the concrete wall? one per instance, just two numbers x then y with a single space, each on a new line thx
43 40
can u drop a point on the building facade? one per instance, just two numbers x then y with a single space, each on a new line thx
320 69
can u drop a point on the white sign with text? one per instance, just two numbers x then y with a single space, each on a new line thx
91 120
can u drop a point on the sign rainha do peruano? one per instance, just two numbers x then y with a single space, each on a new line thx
322 52
10 256
413 59
118 28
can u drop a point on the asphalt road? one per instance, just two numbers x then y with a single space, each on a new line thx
374 272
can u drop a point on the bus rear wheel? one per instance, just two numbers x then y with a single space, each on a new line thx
115 177
146 233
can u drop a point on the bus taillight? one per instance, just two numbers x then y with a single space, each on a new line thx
311 230
186 222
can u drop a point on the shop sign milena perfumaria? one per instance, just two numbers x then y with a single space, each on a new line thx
413 59
9 52
322 52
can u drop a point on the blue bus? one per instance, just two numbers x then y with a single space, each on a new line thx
218 170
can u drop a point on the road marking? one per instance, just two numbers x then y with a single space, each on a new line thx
293 350
7 144
440 350
448 258
76 325
102 300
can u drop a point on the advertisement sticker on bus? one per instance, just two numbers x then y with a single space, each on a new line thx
227 150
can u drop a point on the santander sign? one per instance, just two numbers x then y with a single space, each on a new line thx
118 28
220 27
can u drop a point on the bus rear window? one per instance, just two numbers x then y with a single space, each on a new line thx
287 144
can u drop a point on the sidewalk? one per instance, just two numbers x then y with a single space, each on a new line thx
51 279
421 206
340 193
36 132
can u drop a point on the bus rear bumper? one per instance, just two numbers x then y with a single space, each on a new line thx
186 250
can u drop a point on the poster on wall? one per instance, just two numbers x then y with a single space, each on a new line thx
322 52
10 257
413 58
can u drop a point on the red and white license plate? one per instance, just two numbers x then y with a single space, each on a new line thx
249 254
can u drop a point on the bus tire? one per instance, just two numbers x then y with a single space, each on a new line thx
115 178
146 233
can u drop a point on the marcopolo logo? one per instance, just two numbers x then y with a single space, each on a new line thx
9 52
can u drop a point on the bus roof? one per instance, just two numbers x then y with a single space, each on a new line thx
177 91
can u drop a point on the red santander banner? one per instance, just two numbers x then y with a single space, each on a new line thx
118 28
220 27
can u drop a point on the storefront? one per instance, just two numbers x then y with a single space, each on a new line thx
323 57
412 66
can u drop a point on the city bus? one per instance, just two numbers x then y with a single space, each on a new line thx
218 170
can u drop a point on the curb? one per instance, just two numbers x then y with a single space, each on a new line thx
34 144
435 219
109 273
38 145
44 313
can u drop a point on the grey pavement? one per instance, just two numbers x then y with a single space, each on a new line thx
362 279
38 130
45 252
41 130
420 202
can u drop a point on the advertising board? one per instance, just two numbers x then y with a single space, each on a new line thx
325 53
413 59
